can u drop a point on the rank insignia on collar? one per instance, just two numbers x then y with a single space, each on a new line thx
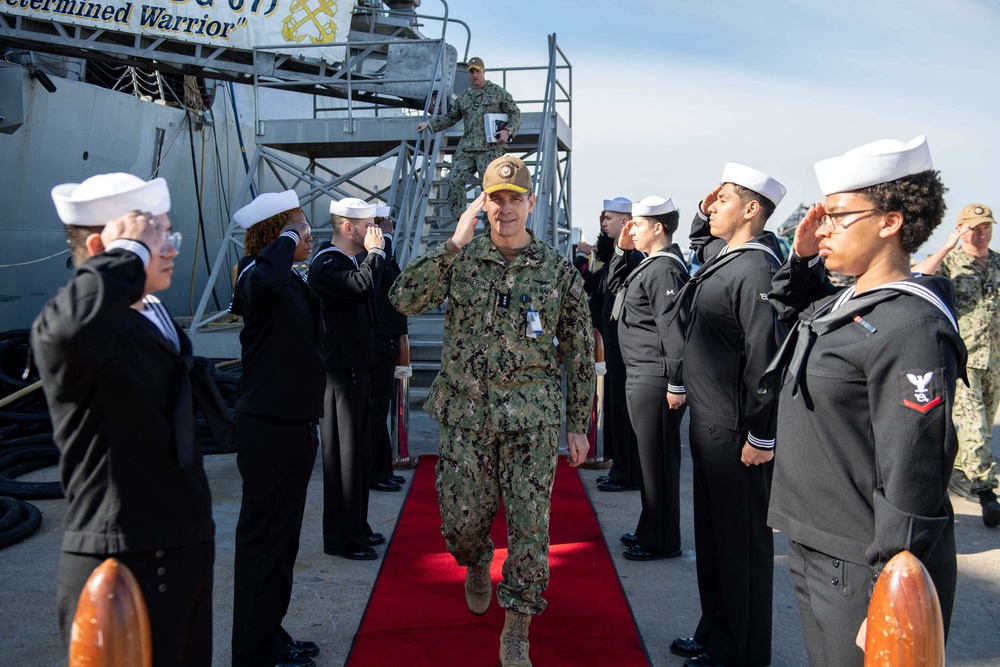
922 390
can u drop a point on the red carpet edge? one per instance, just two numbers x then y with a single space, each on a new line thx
416 615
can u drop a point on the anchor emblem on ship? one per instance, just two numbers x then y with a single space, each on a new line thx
301 14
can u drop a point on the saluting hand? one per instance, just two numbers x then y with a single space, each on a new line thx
625 241
373 238
806 244
584 247
466 227
140 226
709 199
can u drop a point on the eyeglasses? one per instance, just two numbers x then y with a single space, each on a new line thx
171 240
829 220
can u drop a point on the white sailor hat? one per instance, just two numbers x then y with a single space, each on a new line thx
383 212
104 197
265 206
618 205
878 162
352 207
653 206
754 180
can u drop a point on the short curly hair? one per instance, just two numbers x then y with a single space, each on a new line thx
920 198
266 231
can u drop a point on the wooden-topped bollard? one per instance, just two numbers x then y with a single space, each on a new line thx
905 626
111 625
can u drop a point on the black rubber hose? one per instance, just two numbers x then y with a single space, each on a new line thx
23 460
29 518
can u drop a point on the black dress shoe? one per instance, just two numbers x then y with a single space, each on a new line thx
387 485
688 647
630 540
361 554
703 660
603 479
638 553
375 539
296 662
611 486
302 649
398 479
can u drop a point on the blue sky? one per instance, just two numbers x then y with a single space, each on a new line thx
665 93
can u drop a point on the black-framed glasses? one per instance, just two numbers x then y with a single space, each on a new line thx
829 220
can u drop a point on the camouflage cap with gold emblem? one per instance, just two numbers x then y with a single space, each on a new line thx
974 215
475 63
507 173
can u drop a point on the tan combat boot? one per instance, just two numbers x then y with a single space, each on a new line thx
478 588
514 640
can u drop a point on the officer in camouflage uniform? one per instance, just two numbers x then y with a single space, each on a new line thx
497 396
474 153
975 271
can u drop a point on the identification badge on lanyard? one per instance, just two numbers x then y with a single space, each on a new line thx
534 324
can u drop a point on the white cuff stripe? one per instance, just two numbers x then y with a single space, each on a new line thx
676 388
291 234
136 247
814 261
760 443
619 251
378 251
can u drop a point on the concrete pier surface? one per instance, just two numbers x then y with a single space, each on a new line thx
331 593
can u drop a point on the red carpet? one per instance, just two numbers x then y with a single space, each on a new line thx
417 615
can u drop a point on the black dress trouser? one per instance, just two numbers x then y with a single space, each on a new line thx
617 427
735 548
383 382
346 433
276 458
658 433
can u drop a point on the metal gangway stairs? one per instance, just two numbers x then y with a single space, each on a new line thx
358 136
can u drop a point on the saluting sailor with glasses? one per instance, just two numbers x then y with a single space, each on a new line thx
866 382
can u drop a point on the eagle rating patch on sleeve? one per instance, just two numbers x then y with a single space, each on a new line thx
922 389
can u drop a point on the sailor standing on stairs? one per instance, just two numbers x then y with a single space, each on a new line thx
283 330
347 287
475 150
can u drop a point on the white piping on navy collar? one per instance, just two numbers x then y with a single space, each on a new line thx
751 245
332 248
908 287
